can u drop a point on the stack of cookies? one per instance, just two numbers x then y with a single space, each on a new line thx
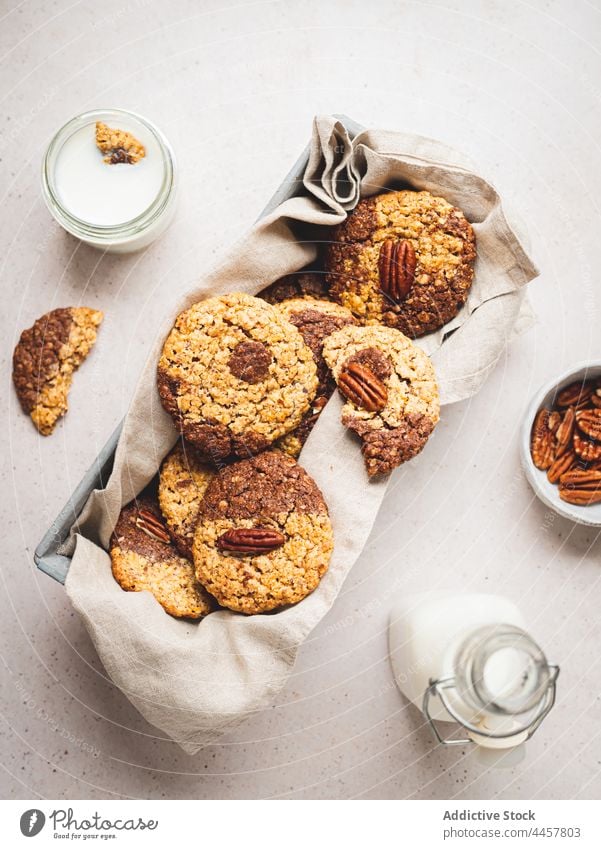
234 521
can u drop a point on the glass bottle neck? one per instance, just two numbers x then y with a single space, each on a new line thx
500 670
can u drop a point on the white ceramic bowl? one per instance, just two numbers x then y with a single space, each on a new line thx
548 492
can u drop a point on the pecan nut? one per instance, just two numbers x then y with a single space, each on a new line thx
554 420
589 422
542 441
581 479
250 540
362 387
152 526
587 449
575 395
562 464
581 497
564 432
396 268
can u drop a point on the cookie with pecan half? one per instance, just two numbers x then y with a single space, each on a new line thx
316 320
390 390
264 538
235 375
45 358
183 480
144 558
404 259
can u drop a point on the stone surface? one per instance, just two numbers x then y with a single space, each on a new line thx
518 92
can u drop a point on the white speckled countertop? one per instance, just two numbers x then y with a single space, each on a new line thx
516 86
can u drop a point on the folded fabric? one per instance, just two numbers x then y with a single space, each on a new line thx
193 681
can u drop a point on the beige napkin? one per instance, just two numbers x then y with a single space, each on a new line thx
193 681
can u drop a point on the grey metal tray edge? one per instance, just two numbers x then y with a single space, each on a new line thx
46 556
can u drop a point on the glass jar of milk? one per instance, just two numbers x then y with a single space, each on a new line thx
468 659
116 207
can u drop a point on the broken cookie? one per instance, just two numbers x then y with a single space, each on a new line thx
45 358
390 390
143 558
118 146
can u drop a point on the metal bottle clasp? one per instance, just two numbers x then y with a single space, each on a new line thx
437 688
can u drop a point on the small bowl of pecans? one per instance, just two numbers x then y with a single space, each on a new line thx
561 444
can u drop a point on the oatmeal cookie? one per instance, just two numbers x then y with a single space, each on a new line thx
390 390
264 537
316 320
235 376
143 558
404 259
301 284
182 483
45 358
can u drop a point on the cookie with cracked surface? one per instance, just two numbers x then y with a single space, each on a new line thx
235 375
404 259
183 480
316 320
390 390
143 558
301 284
45 358
264 538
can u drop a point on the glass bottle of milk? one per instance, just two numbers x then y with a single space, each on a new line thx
468 659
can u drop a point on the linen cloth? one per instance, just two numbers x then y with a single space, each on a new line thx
194 681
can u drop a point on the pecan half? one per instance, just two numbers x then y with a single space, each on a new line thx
596 398
560 466
362 387
250 540
542 441
589 422
575 395
396 268
581 479
564 432
586 449
554 420
152 526
581 497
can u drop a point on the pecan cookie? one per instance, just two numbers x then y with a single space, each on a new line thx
390 391
404 259
182 483
264 537
45 358
316 320
302 284
235 376
143 558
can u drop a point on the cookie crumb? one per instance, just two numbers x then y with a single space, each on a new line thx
118 145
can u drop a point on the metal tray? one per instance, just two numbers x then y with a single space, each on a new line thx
46 556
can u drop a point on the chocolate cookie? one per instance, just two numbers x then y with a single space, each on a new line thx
316 320
143 558
264 537
182 483
301 284
404 259
45 358
235 376
390 390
